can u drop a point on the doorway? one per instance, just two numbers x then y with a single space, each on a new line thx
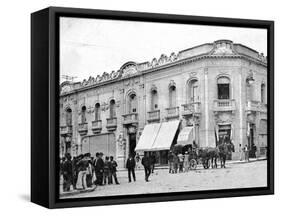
224 133
132 144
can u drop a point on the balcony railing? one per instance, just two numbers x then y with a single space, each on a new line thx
65 130
96 126
192 108
252 105
83 128
153 115
172 112
111 124
130 118
224 105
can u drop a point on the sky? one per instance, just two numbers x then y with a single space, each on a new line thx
89 47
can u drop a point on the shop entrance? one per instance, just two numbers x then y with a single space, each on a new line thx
224 133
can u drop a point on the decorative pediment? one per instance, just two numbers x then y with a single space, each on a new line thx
128 69
223 47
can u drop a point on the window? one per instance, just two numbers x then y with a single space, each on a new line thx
68 117
83 115
223 88
192 91
112 112
172 96
154 100
263 93
132 103
97 112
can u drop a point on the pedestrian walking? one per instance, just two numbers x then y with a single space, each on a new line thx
99 165
113 168
241 152
170 161
186 161
138 161
82 172
106 171
130 165
146 162
180 159
67 172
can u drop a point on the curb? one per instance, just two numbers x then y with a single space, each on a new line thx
75 192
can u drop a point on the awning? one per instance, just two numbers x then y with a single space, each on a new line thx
185 136
156 137
148 137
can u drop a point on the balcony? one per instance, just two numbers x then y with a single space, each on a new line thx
191 108
263 108
96 126
224 105
111 124
66 130
131 118
153 116
172 112
83 128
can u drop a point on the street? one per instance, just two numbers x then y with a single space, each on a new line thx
235 175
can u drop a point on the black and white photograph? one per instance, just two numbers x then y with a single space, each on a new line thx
151 108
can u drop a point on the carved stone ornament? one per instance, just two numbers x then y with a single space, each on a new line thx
223 47
224 117
172 83
129 70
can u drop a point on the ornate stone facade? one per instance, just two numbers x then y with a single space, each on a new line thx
120 103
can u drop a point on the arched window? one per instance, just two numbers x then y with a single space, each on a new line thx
112 112
172 96
68 117
154 100
83 114
132 103
192 91
263 93
223 87
97 112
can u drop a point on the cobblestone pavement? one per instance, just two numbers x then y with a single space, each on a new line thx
235 175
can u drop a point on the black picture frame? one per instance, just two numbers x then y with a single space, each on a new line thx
45 106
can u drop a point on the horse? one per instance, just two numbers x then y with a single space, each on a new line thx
223 150
208 154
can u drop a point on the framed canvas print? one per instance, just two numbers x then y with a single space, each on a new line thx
139 107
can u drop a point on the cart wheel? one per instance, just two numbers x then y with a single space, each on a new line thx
193 164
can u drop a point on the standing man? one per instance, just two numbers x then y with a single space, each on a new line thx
82 172
240 149
153 161
180 159
99 165
106 171
146 162
113 170
130 165
67 172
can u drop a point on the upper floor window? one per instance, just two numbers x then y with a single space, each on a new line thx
112 112
192 91
83 114
154 100
172 96
263 93
132 103
68 117
223 88
97 112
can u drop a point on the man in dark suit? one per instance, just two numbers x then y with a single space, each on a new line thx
146 162
98 165
130 165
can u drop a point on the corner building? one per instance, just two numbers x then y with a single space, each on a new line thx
212 92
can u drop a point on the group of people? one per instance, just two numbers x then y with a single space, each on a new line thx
244 152
178 162
148 161
83 171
